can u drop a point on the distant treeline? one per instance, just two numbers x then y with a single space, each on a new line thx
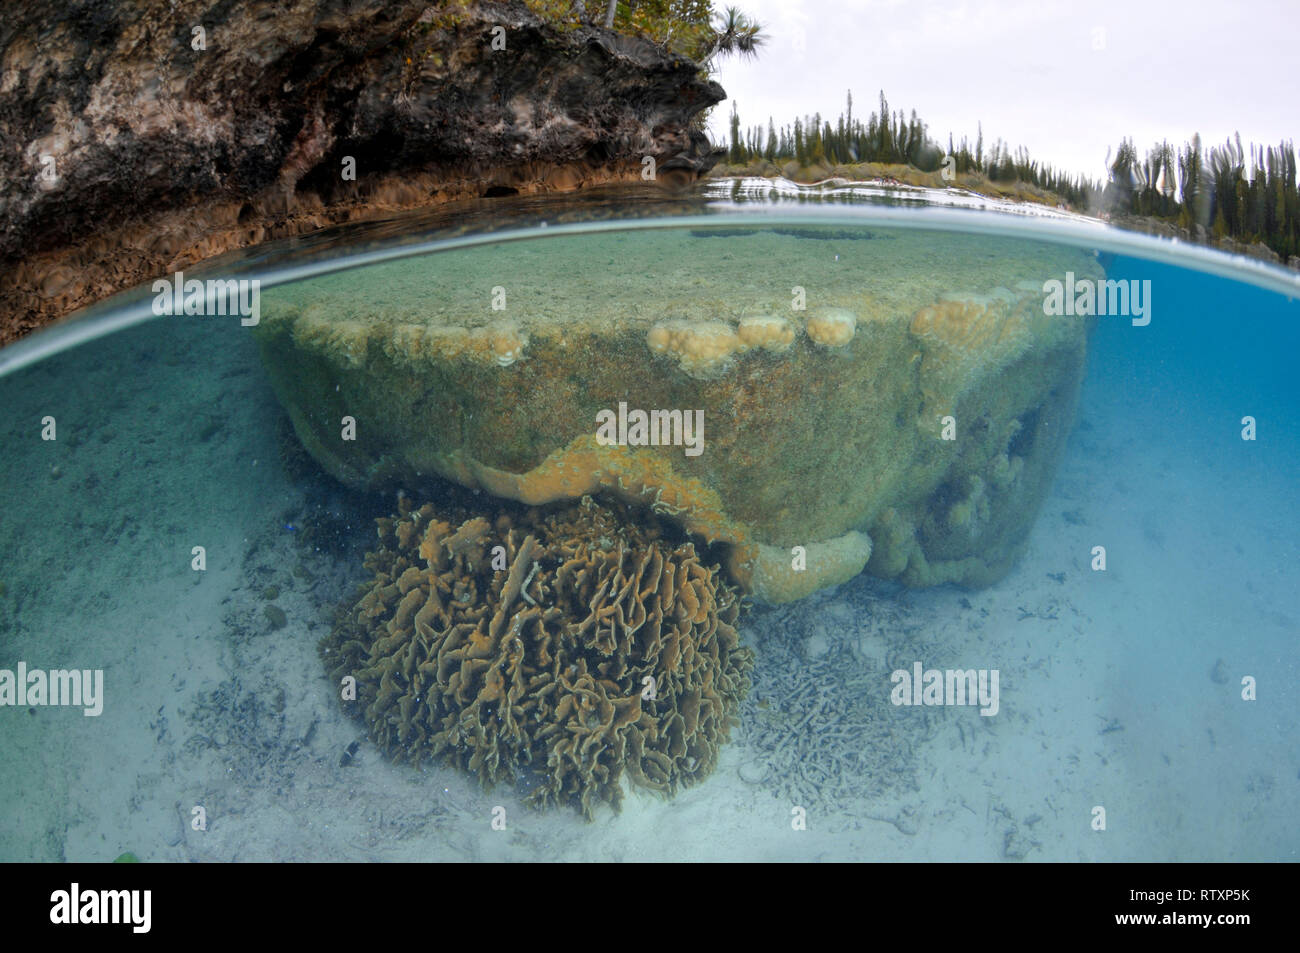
893 138
1246 194
1249 194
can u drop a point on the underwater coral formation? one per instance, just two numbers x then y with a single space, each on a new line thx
558 650
816 731
702 349
966 337
833 327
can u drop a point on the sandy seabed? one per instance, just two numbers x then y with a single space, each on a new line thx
1118 689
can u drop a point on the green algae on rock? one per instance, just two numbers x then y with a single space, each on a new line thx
898 403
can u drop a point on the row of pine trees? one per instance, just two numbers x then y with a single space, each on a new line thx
1249 194
1245 193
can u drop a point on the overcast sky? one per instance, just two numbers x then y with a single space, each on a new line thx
1066 79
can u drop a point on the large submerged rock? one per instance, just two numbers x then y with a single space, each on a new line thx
908 419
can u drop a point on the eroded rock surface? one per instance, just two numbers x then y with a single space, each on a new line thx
126 153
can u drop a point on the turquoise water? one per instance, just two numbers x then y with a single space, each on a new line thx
1161 691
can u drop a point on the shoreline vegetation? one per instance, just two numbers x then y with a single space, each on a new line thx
1242 199
694 29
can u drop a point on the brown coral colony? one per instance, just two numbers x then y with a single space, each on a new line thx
557 650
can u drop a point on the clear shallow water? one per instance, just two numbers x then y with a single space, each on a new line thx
1119 689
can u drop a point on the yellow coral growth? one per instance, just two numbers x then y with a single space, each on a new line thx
769 332
702 349
832 327
776 575
347 341
964 338
633 475
595 650
500 343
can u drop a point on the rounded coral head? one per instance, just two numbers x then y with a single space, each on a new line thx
832 327
768 331
702 349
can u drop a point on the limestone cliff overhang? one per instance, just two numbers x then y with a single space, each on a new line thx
127 153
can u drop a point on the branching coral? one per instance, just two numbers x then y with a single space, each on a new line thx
559 651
